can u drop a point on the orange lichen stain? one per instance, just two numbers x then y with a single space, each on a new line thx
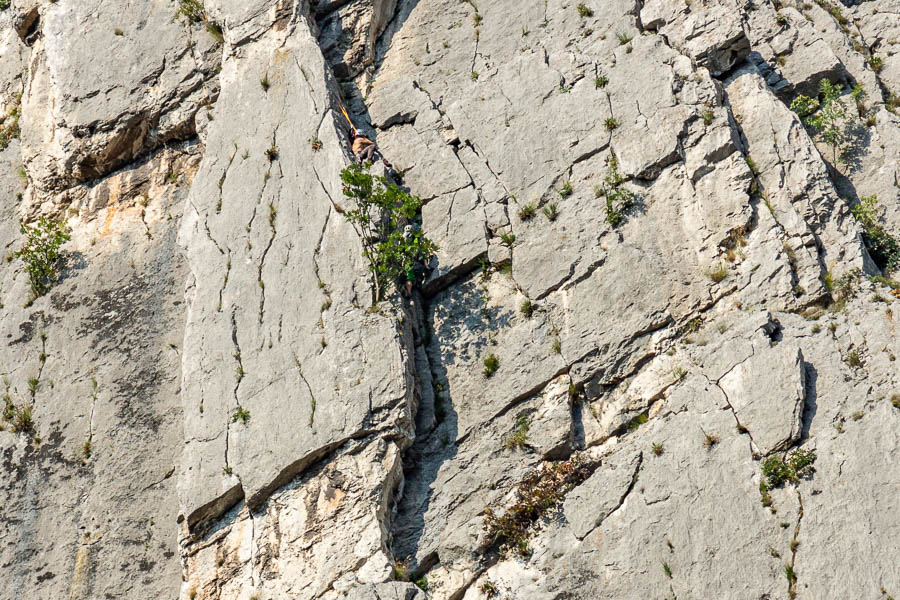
111 211
80 573
329 499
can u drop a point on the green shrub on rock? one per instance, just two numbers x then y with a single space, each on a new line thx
619 199
789 469
41 252
828 118
382 210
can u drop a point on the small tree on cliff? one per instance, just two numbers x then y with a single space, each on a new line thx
382 210
41 252
828 118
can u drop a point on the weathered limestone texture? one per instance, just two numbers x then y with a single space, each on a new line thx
652 287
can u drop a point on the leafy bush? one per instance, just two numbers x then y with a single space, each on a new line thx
876 63
537 493
828 118
192 10
778 471
883 247
382 209
41 252
619 199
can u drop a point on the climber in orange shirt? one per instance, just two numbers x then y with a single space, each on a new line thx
365 150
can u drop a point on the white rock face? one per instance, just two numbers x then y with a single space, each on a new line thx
220 411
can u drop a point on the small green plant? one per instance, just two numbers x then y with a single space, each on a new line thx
637 421
527 212
566 190
22 421
584 11
789 573
708 117
895 400
709 440
557 346
782 20
611 123
667 570
601 81
777 470
619 199
718 273
657 449
315 143
527 308
41 252
474 76
551 211
491 364
272 152
488 589
215 31
421 583
382 210
828 118
519 437
750 163
876 63
118 32
508 239
264 82
241 414
624 37
858 93
853 359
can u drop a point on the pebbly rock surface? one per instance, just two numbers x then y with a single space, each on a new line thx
220 410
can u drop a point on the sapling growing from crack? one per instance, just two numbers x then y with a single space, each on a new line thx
828 118
382 210
41 252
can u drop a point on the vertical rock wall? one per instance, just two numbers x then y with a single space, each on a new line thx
220 411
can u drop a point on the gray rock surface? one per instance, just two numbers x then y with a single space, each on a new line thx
221 411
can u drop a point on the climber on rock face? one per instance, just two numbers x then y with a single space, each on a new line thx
365 150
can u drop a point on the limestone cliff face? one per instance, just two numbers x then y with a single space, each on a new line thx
220 410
